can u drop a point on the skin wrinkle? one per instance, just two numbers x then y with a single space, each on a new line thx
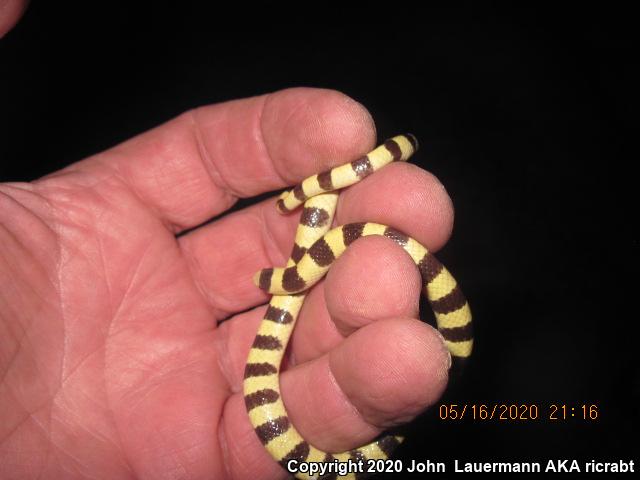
144 389
115 168
14 356
345 398
308 134
276 167
225 359
18 187
220 344
189 451
50 402
106 440
213 302
116 312
394 371
198 275
63 316
27 341
92 433
242 438
215 169
107 339
262 139
68 196
21 421
268 240
48 432
210 166
14 203
111 320
141 365
230 452
155 374
176 464
33 190
157 176
222 441
43 465
60 449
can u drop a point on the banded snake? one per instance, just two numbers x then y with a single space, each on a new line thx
315 249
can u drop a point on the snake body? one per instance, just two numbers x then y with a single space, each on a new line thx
316 247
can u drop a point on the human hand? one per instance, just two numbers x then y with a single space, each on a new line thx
114 356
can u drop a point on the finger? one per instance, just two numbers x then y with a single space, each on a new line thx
197 165
337 405
405 197
10 13
224 255
373 280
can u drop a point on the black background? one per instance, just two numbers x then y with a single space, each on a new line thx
521 112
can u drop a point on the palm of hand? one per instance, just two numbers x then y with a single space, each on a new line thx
128 346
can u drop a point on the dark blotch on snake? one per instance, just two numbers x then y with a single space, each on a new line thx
267 342
300 453
362 167
451 302
394 149
328 458
358 456
264 282
321 253
259 369
297 252
397 236
314 217
458 334
299 193
412 140
291 281
324 180
351 232
388 444
261 397
429 267
272 429
278 315
281 206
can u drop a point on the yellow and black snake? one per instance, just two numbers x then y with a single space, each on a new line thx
315 249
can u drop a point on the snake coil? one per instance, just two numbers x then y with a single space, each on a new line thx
316 247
